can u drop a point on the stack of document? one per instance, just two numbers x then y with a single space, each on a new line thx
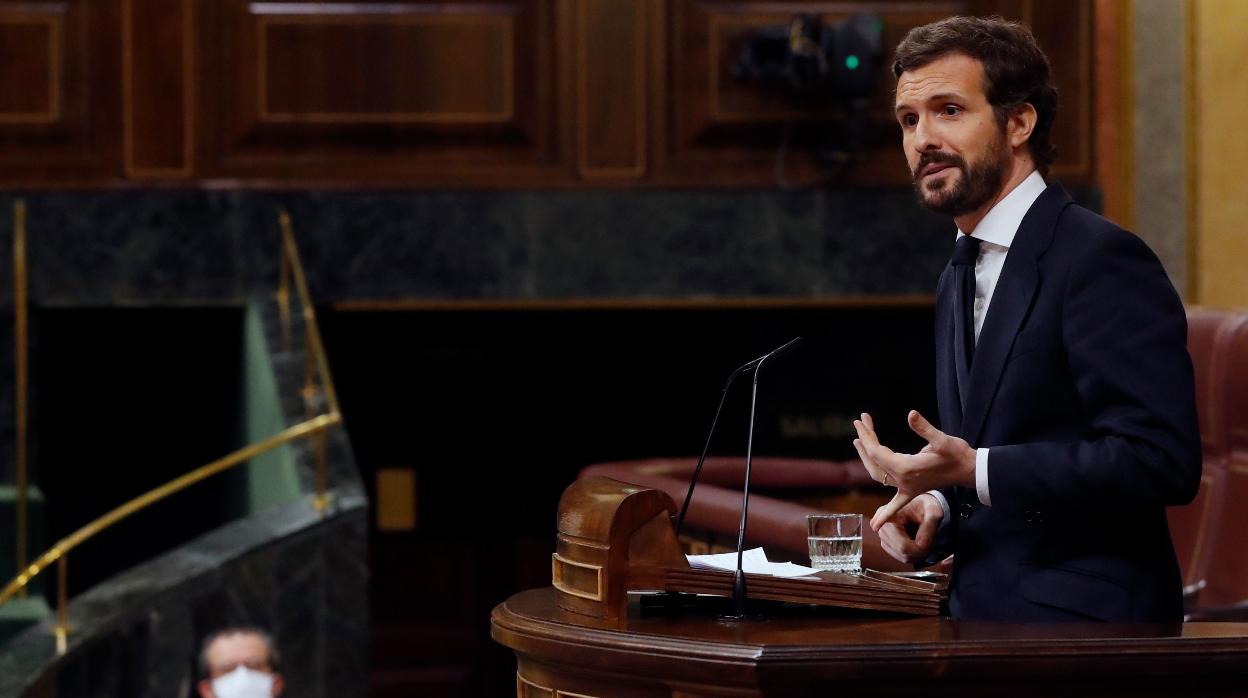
753 561
783 581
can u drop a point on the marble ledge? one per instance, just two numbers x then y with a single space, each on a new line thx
196 571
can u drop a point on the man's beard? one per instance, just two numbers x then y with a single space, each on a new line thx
979 183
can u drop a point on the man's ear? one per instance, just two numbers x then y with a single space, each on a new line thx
1021 123
205 689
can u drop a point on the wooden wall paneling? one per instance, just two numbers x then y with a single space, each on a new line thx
1111 93
419 92
658 32
611 61
486 93
1064 30
725 131
31 51
441 85
567 99
58 94
157 51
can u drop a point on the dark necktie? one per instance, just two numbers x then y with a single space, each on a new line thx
965 252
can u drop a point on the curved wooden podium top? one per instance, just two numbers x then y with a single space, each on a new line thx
801 651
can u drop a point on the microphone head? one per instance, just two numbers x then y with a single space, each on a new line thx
758 363
786 346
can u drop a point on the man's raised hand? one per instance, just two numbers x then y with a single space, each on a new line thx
945 460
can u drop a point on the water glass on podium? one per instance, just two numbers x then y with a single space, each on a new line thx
835 542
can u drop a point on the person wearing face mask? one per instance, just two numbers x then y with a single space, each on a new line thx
239 663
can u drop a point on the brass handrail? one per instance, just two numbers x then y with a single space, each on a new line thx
73 540
316 350
314 427
316 363
20 383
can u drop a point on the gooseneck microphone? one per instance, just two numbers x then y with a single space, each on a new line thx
693 482
738 581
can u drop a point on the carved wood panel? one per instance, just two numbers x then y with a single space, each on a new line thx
158 87
30 66
462 93
366 90
54 120
1064 31
612 71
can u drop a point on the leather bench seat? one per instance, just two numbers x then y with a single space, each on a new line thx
1221 565
1208 338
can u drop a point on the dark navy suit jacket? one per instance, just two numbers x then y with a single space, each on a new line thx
1082 388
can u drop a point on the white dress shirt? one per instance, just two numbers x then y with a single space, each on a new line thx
995 232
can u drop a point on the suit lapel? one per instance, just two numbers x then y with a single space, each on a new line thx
1016 289
947 400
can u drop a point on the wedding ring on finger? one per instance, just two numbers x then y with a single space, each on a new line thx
885 480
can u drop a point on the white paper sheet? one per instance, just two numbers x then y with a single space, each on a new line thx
753 561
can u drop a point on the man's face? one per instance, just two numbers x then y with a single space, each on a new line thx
229 652
956 150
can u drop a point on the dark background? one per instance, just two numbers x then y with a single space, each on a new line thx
127 400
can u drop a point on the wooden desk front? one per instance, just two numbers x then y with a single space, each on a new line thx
563 654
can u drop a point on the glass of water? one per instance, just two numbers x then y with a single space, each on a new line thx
835 542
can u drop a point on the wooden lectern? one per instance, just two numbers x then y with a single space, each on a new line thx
614 537
582 638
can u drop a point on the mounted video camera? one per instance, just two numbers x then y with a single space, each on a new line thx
837 61
819 64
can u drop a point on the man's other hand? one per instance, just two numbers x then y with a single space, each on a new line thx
945 460
921 515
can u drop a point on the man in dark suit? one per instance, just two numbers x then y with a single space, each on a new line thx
1065 391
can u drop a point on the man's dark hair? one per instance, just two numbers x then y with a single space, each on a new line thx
1016 71
274 657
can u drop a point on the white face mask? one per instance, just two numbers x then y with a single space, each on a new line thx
243 683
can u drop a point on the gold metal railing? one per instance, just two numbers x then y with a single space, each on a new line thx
314 356
21 367
313 427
